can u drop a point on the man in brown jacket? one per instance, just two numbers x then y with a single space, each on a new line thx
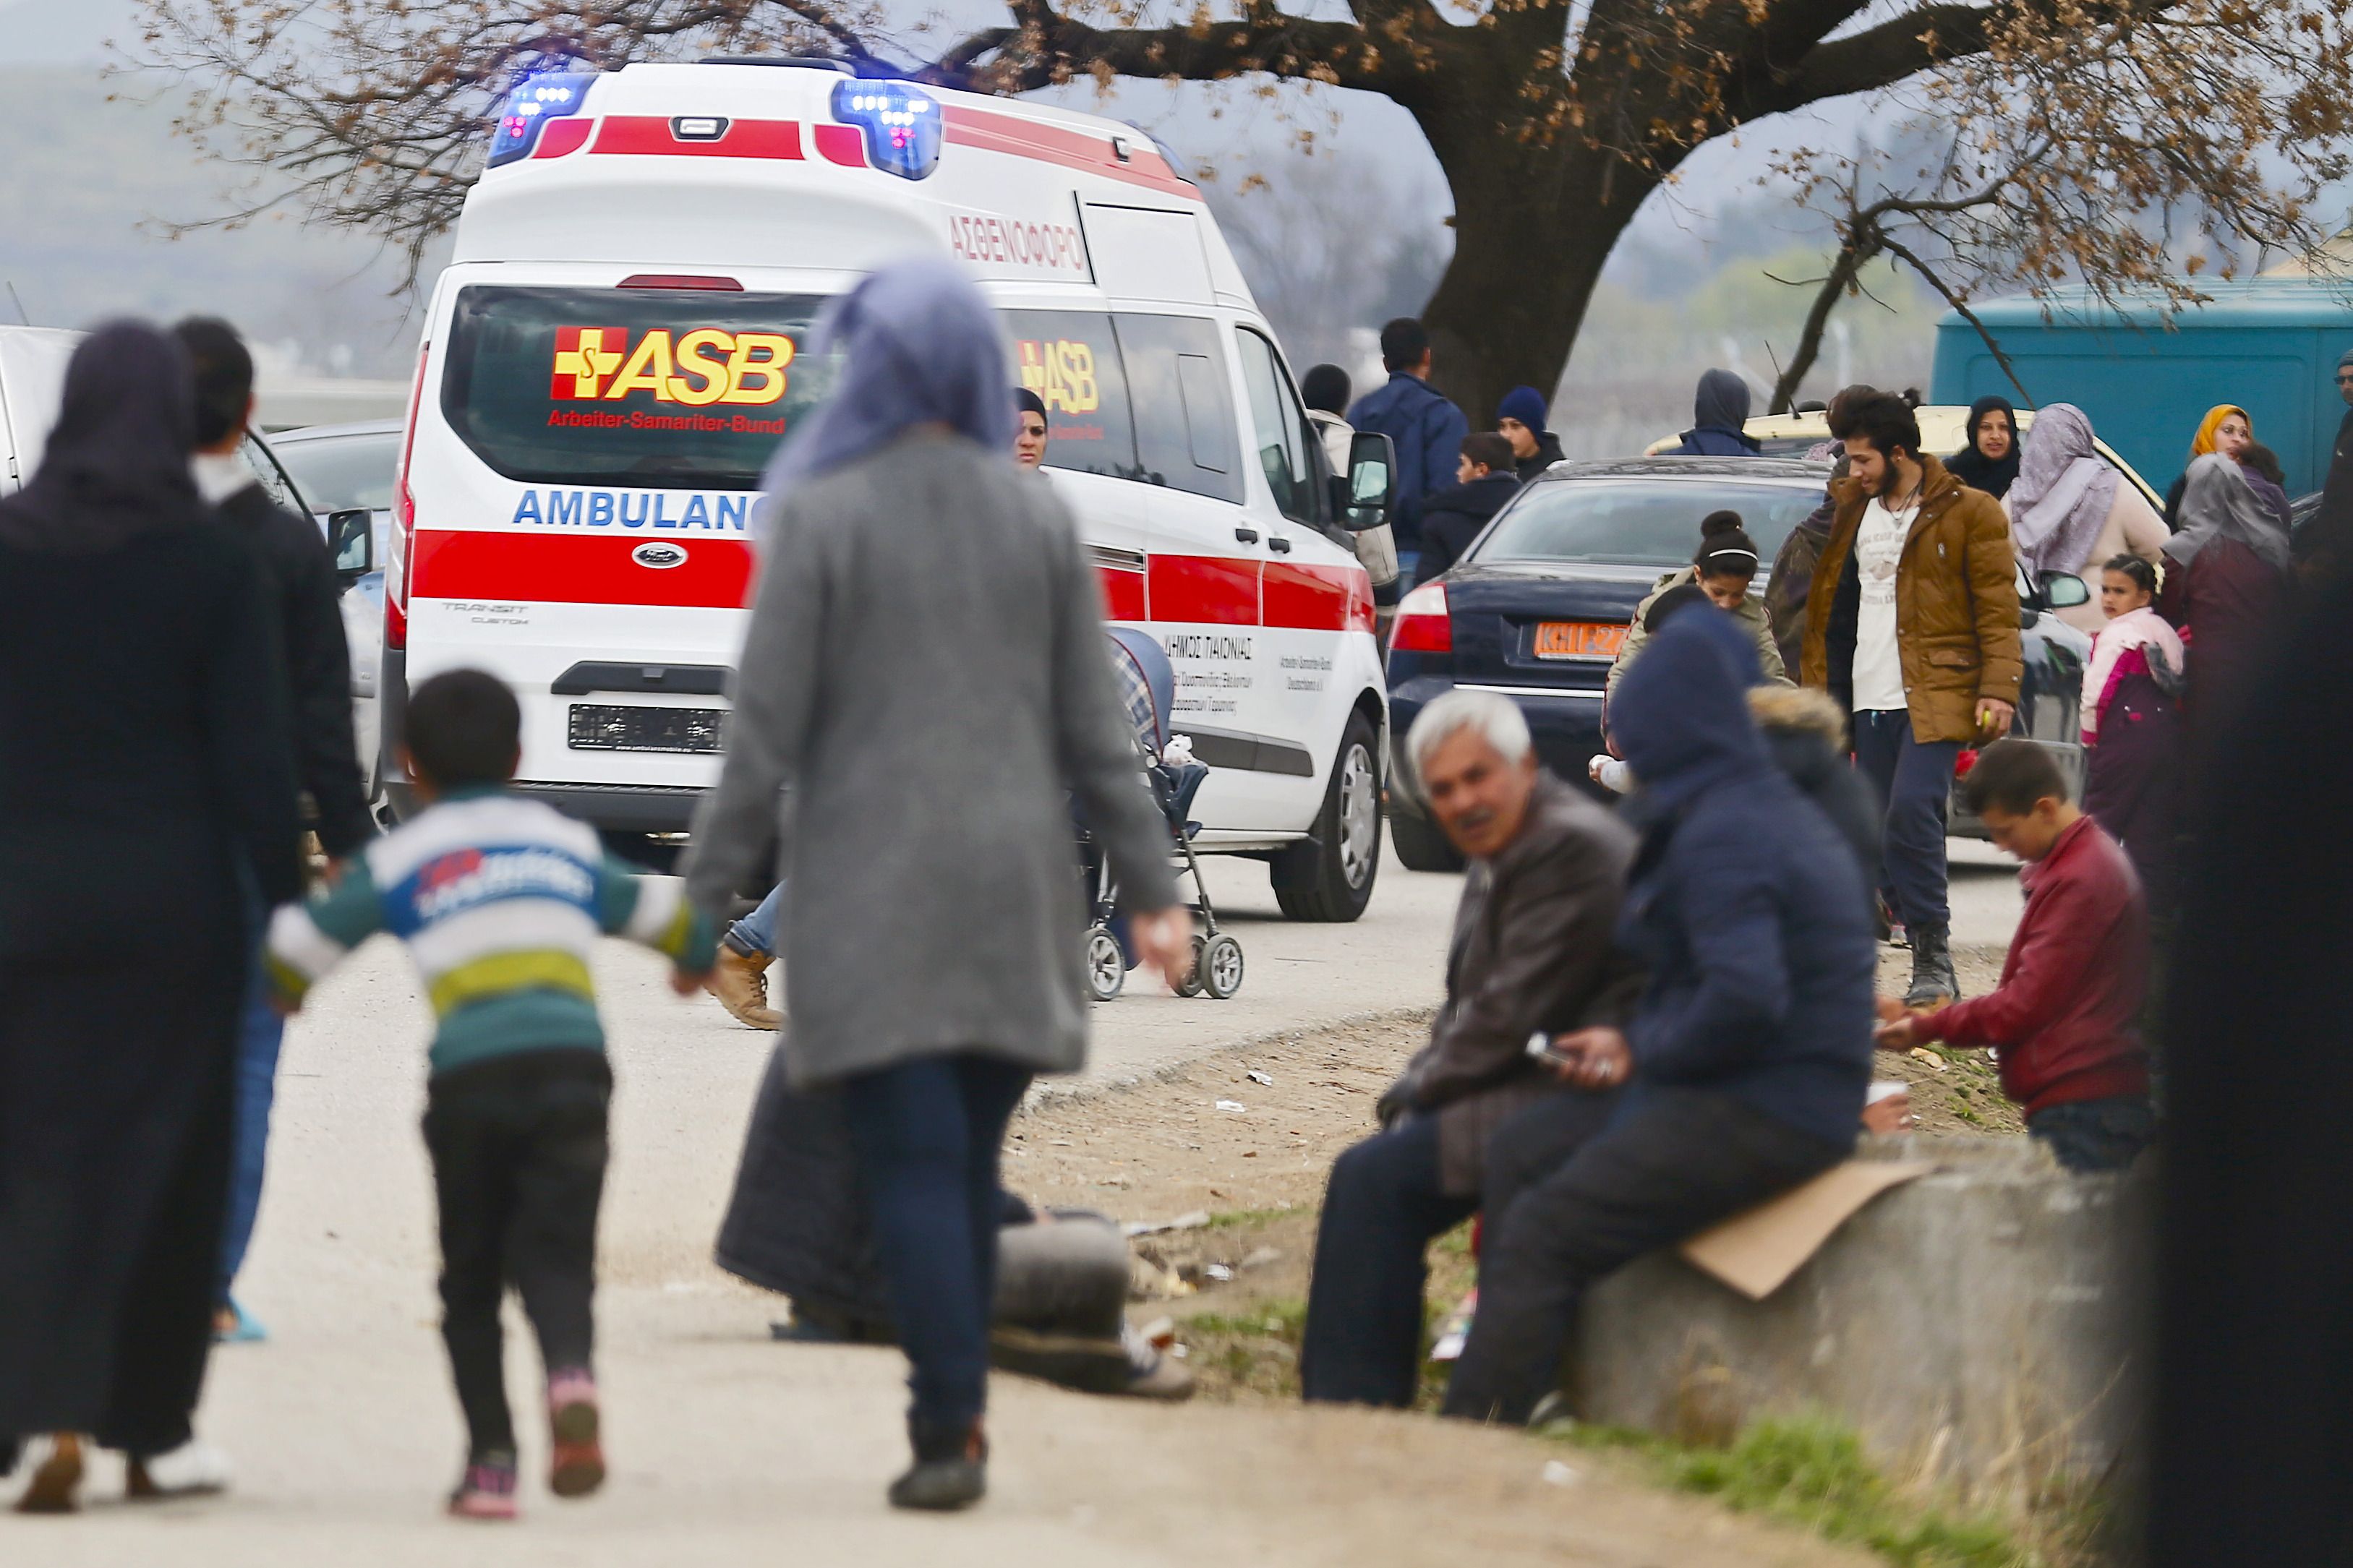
1533 950
1911 624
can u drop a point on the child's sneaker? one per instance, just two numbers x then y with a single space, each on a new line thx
487 1487
576 1468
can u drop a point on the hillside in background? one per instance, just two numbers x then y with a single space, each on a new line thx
89 181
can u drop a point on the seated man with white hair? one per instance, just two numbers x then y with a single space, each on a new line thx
1532 952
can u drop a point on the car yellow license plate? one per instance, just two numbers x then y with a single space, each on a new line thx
1578 639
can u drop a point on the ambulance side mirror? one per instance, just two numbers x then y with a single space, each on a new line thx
351 540
1363 498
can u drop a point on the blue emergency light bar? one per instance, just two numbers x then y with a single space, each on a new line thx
535 100
901 124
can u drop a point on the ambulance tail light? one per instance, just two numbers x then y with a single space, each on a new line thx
901 124
535 100
1423 623
404 522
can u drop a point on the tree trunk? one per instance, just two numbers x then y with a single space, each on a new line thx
1534 226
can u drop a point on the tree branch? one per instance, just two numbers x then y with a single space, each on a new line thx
1047 49
1953 298
1875 57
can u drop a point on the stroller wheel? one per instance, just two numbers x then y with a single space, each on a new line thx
1221 967
1191 985
1106 965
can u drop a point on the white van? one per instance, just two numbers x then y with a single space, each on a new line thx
32 386
620 341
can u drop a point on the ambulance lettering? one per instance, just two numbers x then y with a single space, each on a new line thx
1007 241
697 369
720 513
1062 373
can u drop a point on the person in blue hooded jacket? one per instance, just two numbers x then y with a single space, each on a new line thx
1719 418
1745 1061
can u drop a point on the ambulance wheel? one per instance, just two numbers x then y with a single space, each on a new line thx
1420 845
1191 985
1221 967
1329 878
1106 965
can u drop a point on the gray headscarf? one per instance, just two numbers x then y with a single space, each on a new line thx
2217 502
919 346
2065 489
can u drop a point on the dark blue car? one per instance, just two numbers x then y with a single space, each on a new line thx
1537 605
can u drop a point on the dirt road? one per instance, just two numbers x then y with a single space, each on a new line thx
729 1447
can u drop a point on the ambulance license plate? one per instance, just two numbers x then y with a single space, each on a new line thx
599 728
1578 639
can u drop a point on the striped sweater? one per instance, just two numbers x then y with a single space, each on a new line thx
500 900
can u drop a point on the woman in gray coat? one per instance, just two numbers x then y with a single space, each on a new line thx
922 681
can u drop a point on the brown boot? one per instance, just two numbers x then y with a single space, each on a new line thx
740 984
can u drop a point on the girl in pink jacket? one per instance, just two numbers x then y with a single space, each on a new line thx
2131 723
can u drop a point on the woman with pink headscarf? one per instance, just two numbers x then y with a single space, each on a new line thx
2070 509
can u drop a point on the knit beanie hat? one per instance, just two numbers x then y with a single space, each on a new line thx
1524 404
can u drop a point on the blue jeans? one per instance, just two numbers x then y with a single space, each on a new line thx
756 932
260 1032
1914 783
927 1135
2087 1135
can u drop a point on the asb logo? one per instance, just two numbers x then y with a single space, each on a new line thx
599 364
659 555
1062 373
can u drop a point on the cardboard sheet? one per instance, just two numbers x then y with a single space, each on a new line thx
1755 1251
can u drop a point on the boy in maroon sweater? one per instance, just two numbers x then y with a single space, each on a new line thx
2064 1017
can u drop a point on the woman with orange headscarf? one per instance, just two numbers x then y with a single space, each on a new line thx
2226 429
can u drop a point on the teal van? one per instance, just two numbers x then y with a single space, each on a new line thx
2269 344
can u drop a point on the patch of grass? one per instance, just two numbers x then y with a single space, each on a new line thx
1253 1352
1810 1471
1235 1219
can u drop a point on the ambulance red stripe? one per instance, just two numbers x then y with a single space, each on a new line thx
1070 149
578 569
1124 598
1317 598
844 145
648 136
1204 590
517 567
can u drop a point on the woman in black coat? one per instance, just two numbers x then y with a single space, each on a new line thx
144 765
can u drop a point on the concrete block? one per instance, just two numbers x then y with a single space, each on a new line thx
1983 1329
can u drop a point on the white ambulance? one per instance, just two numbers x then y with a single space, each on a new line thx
620 342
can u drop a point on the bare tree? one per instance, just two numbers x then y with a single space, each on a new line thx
2094 157
1553 119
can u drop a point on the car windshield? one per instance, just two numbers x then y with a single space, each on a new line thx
1640 521
644 386
338 473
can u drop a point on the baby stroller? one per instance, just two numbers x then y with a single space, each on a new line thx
1148 682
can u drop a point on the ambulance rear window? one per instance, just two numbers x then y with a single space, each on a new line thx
638 386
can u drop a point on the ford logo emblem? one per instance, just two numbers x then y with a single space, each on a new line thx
660 556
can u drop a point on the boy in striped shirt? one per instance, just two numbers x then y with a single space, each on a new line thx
500 900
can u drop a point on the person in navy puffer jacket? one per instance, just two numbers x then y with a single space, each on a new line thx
1426 428
1745 1061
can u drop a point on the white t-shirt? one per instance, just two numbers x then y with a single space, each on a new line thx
1878 544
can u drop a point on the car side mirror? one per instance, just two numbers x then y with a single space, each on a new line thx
351 540
2064 591
1363 498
